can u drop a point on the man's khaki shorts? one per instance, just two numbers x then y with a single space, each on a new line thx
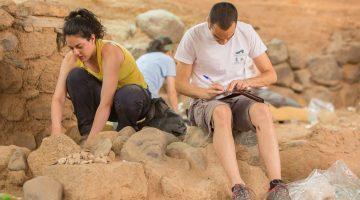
201 111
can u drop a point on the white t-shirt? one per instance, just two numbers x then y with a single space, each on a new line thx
221 63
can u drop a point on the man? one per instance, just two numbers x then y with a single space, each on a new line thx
212 58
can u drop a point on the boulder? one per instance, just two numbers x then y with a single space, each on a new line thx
277 51
319 92
6 152
245 138
42 8
40 108
2 53
137 50
119 30
325 70
9 6
30 94
43 188
297 87
52 148
285 75
296 59
23 139
254 176
10 78
303 76
161 22
35 22
348 95
289 93
17 161
74 134
347 53
119 141
6 20
37 44
12 107
34 70
17 178
147 145
117 180
48 77
351 73
102 148
14 60
196 137
182 150
8 41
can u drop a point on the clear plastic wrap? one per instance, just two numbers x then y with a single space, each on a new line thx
335 183
317 105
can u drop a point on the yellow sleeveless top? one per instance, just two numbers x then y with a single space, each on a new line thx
129 73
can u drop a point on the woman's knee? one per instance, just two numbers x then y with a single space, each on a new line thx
75 76
130 97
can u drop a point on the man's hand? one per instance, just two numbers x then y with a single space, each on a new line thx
237 85
214 90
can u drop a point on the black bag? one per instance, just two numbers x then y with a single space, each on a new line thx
162 117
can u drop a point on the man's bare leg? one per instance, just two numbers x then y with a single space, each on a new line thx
267 140
223 142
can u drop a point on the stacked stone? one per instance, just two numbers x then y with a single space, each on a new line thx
29 65
333 76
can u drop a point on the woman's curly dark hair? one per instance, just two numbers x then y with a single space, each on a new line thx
84 23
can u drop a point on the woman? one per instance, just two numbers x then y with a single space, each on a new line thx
101 78
157 65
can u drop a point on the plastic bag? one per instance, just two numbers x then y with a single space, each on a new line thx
317 105
336 183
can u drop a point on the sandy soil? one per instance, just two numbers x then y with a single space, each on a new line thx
305 25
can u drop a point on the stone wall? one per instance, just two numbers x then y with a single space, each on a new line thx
332 76
29 65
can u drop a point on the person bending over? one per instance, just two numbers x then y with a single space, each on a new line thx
158 66
101 78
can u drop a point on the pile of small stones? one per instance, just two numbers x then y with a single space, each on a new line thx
82 157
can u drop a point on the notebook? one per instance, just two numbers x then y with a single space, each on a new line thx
246 93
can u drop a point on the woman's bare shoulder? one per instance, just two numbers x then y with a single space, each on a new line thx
111 48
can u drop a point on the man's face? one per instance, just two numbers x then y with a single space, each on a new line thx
220 35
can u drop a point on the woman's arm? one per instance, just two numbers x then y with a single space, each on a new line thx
171 92
113 57
58 99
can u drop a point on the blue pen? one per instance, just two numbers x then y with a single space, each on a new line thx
208 78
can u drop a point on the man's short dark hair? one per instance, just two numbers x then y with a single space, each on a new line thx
223 14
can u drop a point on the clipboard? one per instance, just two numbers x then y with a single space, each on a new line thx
246 93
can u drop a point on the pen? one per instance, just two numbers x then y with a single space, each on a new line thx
208 78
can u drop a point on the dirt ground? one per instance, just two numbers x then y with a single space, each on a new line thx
305 25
